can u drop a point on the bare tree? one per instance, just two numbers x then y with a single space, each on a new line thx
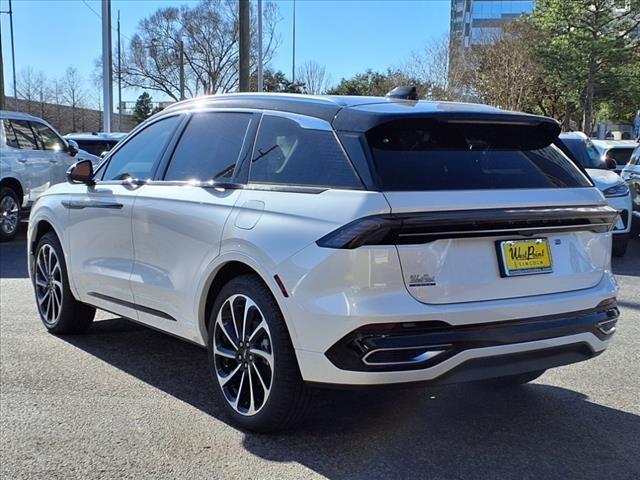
314 76
73 95
31 86
507 74
448 74
207 33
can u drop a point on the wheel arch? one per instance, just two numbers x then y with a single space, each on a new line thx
15 185
220 274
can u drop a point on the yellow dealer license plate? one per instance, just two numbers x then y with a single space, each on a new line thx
525 257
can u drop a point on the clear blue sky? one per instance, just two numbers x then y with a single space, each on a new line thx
345 36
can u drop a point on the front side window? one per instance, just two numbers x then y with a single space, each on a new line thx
209 147
429 155
24 135
49 140
286 153
138 157
585 153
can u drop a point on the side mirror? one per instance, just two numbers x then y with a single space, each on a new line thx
72 148
610 163
104 154
81 172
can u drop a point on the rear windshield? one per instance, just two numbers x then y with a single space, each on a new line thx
429 155
584 152
620 155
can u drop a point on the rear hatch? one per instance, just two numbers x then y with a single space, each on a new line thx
489 210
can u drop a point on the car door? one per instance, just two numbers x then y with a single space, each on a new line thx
36 162
56 150
179 218
99 234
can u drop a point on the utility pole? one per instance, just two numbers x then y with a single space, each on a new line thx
119 79
107 74
293 69
181 61
244 42
260 72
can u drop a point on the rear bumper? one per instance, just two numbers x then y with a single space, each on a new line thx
469 353
413 346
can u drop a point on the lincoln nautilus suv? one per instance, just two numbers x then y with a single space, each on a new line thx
335 241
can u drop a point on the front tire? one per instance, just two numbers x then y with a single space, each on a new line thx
59 310
620 243
9 214
251 359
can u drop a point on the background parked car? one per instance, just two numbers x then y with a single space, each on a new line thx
96 143
608 182
631 175
33 156
618 150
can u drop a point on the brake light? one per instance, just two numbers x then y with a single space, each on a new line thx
429 226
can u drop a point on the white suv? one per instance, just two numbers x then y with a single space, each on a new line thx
335 240
33 156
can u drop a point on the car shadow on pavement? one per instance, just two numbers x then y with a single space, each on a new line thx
13 255
457 431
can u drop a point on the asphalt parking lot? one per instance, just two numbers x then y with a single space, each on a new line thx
125 401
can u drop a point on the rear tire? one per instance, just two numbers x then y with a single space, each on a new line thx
514 380
9 214
251 359
620 243
59 310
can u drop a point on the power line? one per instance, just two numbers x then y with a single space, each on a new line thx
91 8
100 17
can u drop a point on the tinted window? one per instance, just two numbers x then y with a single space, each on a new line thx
620 155
137 157
424 155
286 153
584 152
209 147
10 134
48 139
24 135
95 147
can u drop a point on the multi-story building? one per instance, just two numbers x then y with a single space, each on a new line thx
474 22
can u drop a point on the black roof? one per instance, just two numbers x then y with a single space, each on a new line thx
355 113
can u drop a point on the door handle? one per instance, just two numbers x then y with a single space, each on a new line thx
22 160
80 204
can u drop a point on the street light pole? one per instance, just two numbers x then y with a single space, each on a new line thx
243 14
107 74
119 79
293 69
260 72
13 57
181 61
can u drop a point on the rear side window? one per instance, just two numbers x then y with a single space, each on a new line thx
24 135
137 158
620 155
429 155
209 147
288 153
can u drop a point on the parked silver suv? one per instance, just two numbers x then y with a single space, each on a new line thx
33 156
